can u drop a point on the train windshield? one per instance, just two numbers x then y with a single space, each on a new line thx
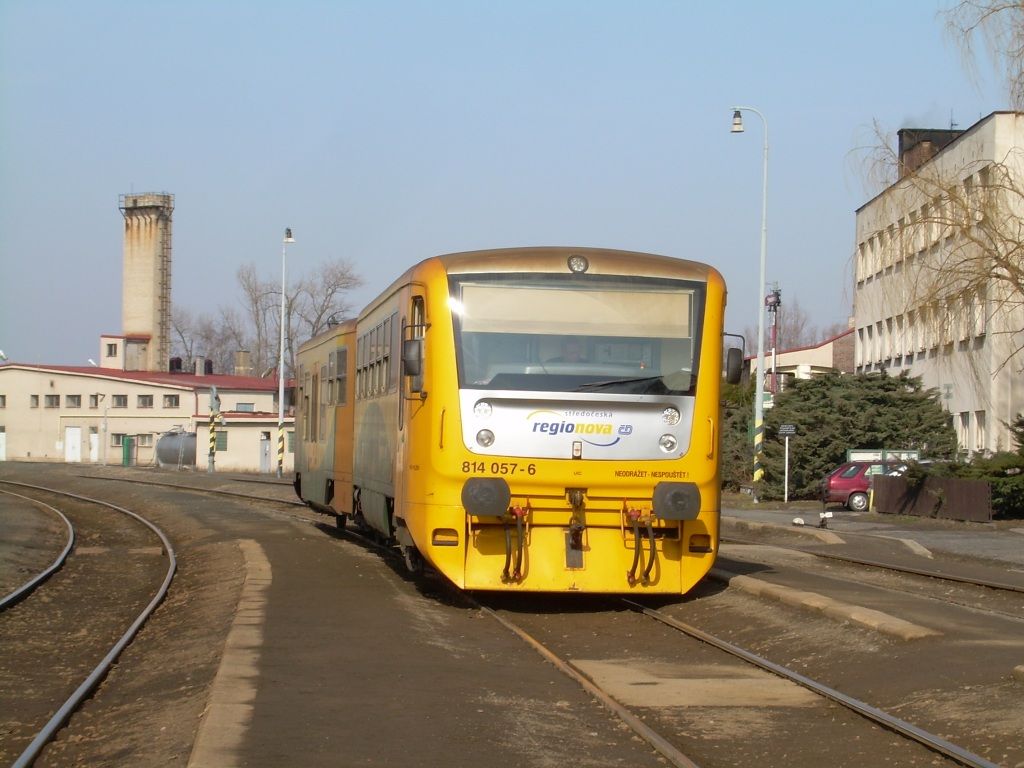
555 333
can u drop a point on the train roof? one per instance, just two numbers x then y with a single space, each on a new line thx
554 260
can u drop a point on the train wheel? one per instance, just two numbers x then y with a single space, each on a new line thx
413 559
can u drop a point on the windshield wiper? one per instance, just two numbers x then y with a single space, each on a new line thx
613 382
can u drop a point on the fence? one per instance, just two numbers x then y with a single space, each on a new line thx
941 497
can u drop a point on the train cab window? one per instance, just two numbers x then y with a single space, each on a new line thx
629 335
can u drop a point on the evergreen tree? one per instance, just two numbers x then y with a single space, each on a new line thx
1017 431
737 449
834 413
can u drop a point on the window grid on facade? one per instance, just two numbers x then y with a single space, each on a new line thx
52 401
73 401
171 401
144 401
119 401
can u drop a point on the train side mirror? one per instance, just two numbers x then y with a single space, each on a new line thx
733 365
412 356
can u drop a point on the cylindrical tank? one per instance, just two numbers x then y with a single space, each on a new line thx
176 448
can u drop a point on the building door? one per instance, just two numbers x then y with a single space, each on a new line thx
94 445
265 452
3 443
72 444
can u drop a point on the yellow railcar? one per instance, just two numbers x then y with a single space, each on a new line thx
542 419
324 417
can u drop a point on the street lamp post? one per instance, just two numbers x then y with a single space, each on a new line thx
280 363
737 127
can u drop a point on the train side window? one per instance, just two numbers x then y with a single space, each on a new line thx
341 388
324 401
394 347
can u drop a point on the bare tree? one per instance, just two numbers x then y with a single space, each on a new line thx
255 325
1000 25
794 329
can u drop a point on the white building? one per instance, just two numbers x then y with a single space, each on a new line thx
108 416
934 262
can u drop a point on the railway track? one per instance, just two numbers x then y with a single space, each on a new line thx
980 595
940 575
677 751
685 750
96 594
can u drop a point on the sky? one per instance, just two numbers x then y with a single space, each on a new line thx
384 132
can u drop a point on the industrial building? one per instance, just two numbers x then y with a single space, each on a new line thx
114 412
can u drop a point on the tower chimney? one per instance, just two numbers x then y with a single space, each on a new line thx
146 283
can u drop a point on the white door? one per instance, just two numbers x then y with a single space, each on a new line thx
94 445
72 444
3 443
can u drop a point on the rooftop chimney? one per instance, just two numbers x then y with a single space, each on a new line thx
919 145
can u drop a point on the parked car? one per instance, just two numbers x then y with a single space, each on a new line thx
849 483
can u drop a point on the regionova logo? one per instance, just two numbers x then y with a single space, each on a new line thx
593 427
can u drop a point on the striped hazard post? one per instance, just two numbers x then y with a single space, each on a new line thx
758 449
280 448
214 417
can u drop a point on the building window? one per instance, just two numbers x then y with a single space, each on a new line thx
144 441
246 407
291 441
33 401
119 401
94 401
52 401
171 401
73 401
111 350
979 431
117 439
3 401
145 401
222 440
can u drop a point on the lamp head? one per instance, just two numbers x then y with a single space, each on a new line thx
288 235
737 122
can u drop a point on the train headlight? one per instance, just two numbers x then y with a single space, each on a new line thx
578 264
668 443
485 438
482 409
670 416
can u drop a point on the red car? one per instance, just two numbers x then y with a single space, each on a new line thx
849 483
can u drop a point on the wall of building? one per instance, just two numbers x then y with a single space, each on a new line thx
42 409
958 338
